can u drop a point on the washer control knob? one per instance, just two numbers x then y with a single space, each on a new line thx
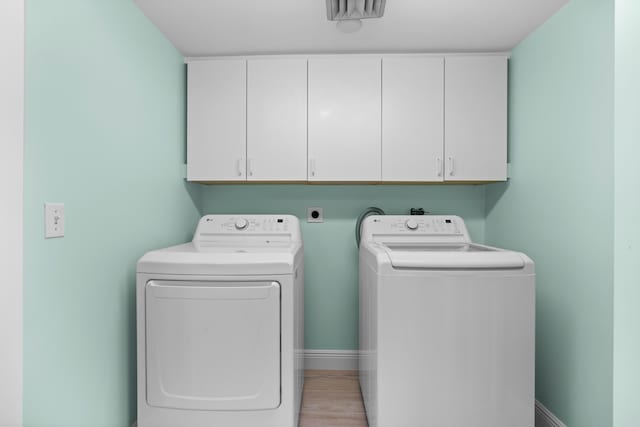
411 224
241 224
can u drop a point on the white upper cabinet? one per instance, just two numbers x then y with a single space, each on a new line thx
344 119
277 120
412 118
216 120
348 118
476 118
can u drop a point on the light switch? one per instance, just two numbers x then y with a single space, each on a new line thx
53 220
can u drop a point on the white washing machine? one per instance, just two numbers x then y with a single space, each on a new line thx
446 326
220 326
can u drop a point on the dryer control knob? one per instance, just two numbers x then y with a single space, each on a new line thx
411 224
241 224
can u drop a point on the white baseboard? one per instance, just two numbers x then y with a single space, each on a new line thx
335 360
546 418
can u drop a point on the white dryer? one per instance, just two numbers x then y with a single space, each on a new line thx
446 326
220 326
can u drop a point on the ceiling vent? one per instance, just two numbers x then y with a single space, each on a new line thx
342 10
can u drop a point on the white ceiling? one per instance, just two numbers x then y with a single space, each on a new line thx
243 27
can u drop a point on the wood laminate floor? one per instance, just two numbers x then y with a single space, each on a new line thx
332 399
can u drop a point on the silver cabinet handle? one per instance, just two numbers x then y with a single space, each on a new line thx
451 164
312 167
249 168
238 169
439 166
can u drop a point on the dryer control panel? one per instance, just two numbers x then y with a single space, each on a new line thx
246 227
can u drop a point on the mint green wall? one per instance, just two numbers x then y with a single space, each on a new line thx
331 256
105 135
627 215
557 207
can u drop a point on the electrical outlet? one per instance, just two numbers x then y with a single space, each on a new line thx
315 215
53 220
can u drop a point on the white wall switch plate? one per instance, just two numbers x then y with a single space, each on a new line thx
53 220
315 215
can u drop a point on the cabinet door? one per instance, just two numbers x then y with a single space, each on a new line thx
277 120
344 119
412 118
216 120
476 118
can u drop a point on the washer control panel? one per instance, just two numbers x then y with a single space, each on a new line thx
241 224
247 225
448 226
412 224
418 224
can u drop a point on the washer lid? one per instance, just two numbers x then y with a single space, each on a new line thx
451 256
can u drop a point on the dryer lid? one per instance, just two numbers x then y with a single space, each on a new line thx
220 260
232 245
